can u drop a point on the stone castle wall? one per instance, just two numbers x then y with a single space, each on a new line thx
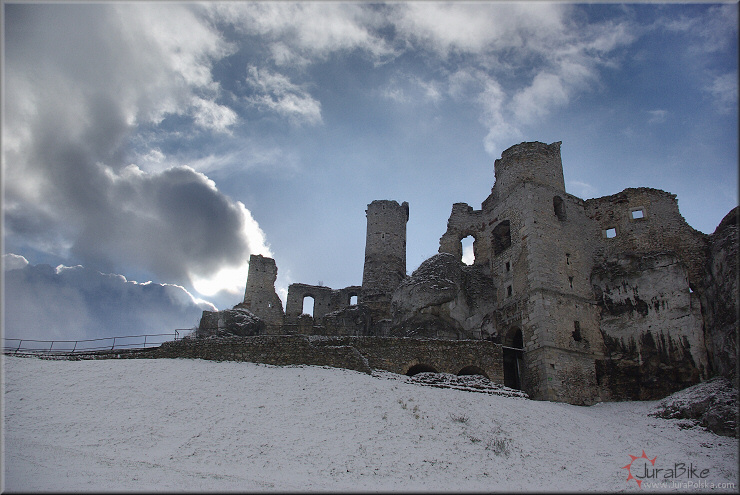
608 298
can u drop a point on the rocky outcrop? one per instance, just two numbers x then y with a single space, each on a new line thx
442 299
711 405
236 321
720 297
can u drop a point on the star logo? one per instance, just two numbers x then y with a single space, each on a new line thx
633 458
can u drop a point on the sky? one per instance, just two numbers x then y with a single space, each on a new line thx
154 145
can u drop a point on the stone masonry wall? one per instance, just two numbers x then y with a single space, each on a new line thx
260 297
397 355
385 254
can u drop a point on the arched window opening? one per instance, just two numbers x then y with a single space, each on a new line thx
472 370
308 303
501 237
420 368
559 206
513 355
468 253
353 300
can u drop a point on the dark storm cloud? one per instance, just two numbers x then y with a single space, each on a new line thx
70 303
79 83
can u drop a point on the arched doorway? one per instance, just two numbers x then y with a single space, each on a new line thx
420 368
513 350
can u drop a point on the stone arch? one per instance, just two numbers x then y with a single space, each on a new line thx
513 357
501 237
420 368
472 370
558 206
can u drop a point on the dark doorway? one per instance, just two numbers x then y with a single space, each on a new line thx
514 360
420 368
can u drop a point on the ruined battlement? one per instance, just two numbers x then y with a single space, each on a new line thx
610 298
529 162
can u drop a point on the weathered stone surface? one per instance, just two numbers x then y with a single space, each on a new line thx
720 297
442 299
651 324
609 298
237 321
260 297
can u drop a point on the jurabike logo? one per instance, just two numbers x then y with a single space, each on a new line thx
642 468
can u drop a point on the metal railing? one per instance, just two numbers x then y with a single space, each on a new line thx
32 346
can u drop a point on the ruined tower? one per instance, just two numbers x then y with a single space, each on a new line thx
385 255
259 296
542 247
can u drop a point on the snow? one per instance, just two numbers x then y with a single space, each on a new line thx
194 425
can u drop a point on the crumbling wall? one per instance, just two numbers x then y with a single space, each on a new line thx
260 297
325 300
659 227
464 222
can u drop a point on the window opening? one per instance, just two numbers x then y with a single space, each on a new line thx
638 214
508 266
577 331
559 206
353 300
509 291
570 281
308 304
501 237
468 253
611 233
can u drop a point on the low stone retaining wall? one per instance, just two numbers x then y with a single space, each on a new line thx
394 354
364 354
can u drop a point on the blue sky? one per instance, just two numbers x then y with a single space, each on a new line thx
165 142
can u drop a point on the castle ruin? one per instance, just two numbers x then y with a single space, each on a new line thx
612 298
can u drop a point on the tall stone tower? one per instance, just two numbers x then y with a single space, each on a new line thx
385 255
259 296
542 257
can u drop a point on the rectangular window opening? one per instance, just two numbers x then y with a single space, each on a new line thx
638 214
610 233
508 266
509 291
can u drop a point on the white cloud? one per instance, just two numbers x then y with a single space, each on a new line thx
657 116
13 261
210 115
275 92
723 90
302 32
581 189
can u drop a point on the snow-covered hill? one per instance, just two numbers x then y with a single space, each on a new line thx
217 426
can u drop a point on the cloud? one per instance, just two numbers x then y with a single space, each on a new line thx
276 93
74 302
657 116
723 90
300 33
581 189
80 83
